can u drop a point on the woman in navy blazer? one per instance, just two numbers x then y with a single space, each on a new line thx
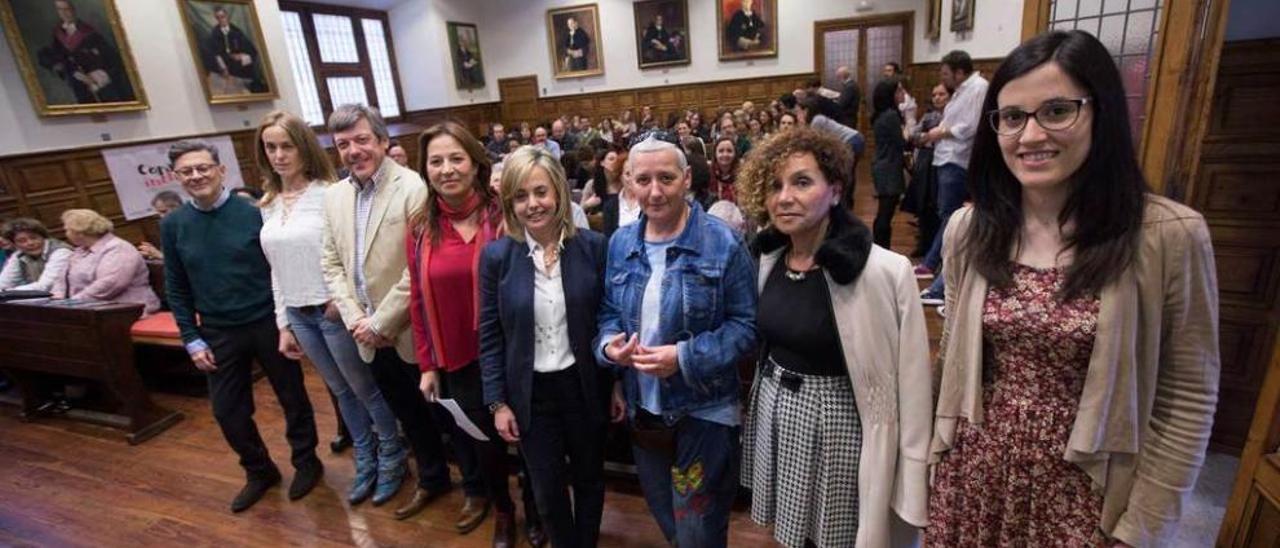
540 287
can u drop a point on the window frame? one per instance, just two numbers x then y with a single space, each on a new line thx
363 68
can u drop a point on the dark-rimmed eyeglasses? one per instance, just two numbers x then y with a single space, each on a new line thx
202 169
659 134
1053 115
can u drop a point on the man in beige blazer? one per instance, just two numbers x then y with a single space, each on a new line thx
364 264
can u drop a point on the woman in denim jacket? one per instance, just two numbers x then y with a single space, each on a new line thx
678 312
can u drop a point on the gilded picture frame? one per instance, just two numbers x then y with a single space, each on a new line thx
228 51
574 40
662 33
464 49
962 15
933 20
743 34
73 56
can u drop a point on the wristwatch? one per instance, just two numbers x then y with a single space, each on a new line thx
495 406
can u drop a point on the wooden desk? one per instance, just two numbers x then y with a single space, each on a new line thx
90 341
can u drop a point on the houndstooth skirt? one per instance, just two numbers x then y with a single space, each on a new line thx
800 460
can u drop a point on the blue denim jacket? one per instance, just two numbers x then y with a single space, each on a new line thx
708 310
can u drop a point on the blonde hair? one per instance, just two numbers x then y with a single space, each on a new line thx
86 221
518 167
315 161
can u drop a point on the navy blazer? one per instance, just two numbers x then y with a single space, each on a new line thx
506 321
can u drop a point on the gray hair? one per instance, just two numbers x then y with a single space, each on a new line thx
167 196
347 116
653 144
182 148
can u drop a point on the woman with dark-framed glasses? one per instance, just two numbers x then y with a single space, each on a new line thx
1079 357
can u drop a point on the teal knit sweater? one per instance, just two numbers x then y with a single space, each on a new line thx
214 267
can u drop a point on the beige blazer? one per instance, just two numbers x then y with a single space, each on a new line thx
398 194
1146 410
886 348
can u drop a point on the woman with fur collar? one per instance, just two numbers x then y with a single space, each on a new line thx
837 435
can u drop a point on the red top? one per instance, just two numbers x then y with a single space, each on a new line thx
440 313
451 276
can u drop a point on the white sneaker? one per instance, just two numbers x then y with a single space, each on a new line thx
942 311
928 298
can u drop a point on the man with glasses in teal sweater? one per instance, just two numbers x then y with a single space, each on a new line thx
215 268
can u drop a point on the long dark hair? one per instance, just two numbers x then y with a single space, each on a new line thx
882 97
1107 191
427 218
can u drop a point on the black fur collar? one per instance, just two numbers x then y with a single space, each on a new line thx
843 253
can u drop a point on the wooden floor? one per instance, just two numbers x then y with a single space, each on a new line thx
69 484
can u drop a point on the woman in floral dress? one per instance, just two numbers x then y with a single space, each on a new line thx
1080 353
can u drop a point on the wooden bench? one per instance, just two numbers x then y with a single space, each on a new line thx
86 341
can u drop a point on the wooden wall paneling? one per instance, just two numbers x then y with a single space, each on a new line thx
1236 186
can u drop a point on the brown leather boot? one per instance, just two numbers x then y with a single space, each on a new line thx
504 530
473 512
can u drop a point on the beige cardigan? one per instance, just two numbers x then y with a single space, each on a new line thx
886 349
399 193
1147 407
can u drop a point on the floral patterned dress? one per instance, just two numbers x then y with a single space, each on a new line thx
1006 483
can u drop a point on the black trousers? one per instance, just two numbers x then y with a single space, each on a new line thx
486 460
882 230
231 391
398 382
560 428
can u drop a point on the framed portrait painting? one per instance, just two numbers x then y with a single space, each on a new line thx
662 32
228 50
73 56
933 20
962 15
747 29
464 45
573 34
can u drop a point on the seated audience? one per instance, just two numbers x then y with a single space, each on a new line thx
497 145
102 266
40 261
699 171
540 140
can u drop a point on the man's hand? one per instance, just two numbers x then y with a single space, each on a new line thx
505 421
204 361
619 351
289 345
364 334
659 361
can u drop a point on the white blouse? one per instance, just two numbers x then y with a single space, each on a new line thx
293 240
551 347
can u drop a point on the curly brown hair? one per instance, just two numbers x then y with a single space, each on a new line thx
761 168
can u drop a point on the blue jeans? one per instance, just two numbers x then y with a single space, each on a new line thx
330 347
952 193
690 495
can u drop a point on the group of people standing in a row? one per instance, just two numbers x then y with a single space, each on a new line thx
1063 409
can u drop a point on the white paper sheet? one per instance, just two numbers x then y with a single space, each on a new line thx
464 422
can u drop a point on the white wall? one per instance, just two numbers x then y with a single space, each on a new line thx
514 40
422 50
178 106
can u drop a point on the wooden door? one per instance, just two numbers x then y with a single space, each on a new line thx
865 45
1253 513
519 100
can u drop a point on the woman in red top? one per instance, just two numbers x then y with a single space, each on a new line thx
459 217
